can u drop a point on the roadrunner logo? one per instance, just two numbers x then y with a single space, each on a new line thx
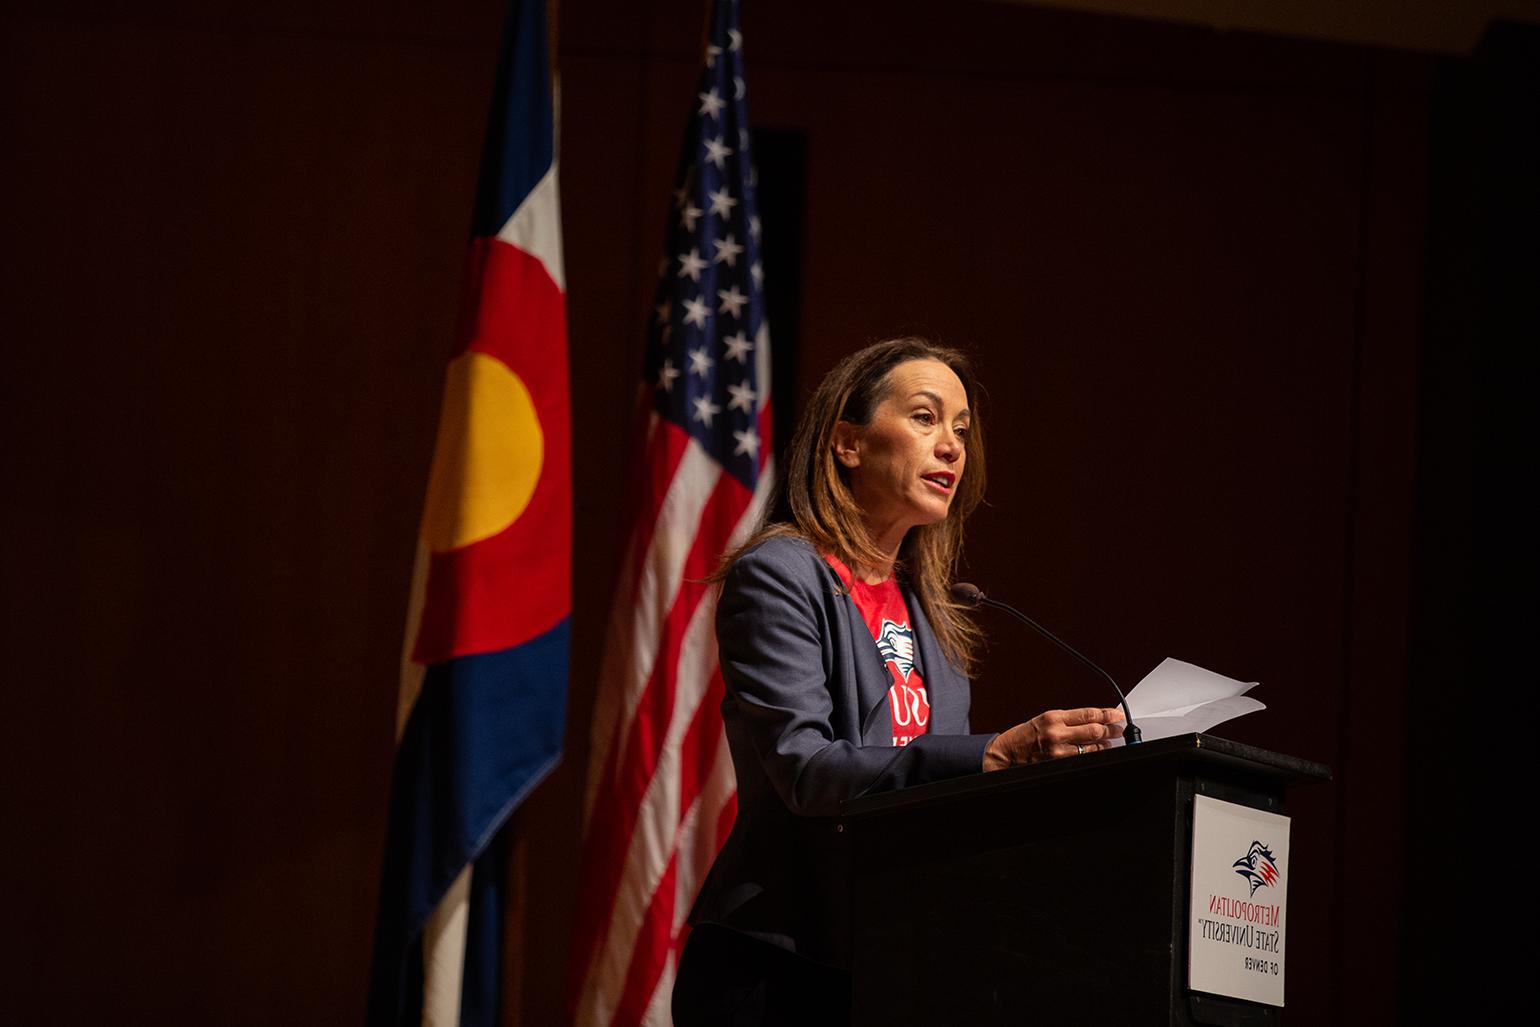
897 644
1258 866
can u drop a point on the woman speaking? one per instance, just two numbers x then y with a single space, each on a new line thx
846 665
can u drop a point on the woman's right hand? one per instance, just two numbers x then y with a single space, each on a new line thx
1054 734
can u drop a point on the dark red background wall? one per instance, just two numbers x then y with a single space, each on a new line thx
1189 263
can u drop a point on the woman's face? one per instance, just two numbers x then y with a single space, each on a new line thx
906 464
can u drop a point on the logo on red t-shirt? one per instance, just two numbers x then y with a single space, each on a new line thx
896 644
906 696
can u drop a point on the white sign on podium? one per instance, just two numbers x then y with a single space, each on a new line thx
1240 861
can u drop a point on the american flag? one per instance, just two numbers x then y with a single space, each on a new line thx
661 793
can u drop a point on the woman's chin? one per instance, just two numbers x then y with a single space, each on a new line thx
932 513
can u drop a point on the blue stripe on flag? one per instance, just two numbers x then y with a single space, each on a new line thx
520 144
485 730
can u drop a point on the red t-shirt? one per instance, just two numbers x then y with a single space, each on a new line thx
887 618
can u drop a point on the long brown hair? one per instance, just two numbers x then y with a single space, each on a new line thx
814 501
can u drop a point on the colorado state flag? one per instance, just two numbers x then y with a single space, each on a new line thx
483 692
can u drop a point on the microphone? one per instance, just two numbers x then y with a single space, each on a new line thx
971 595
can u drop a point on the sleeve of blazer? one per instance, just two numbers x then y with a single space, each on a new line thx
773 652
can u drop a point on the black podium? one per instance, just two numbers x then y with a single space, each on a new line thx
1051 894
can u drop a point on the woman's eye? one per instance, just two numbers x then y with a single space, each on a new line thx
961 431
925 417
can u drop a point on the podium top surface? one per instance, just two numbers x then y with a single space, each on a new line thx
1219 755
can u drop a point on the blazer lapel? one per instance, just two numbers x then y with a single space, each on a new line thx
948 699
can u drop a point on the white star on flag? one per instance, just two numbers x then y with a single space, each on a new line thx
711 104
722 202
737 88
700 363
738 347
727 251
705 410
691 264
732 302
758 273
666 375
698 311
748 442
712 53
688 216
717 152
734 40
754 228
743 397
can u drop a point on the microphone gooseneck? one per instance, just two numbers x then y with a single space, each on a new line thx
971 595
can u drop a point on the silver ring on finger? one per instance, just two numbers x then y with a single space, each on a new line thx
1079 750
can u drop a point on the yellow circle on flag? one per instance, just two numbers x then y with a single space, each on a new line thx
487 459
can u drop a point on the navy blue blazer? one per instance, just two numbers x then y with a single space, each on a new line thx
808 722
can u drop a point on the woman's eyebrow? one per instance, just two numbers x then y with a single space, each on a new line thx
937 400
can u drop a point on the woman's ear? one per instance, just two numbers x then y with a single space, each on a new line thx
847 444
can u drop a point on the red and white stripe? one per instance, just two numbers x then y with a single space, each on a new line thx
661 794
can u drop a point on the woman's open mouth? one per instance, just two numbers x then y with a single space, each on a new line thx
941 480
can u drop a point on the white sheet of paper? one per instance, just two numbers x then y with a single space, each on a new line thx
1179 698
1177 683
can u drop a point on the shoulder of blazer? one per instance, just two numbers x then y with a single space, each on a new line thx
796 559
